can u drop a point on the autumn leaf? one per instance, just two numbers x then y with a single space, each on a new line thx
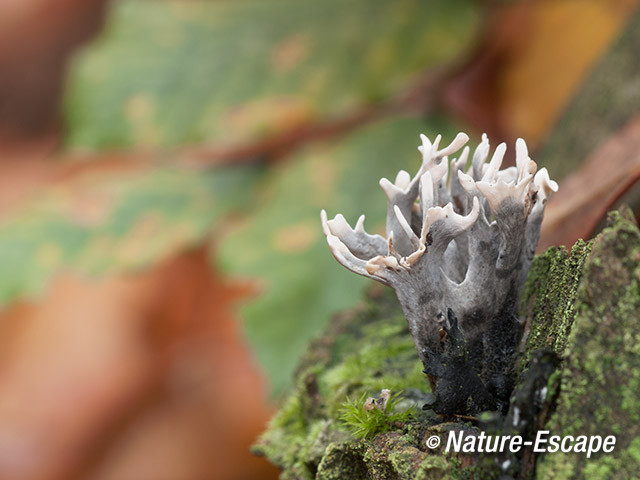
228 73
113 221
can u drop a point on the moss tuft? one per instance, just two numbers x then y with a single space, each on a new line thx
363 423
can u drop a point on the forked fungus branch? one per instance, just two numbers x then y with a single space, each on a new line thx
457 250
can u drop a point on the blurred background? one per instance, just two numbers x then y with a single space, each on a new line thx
163 165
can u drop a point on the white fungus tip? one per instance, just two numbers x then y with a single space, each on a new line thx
495 193
498 156
467 182
426 143
455 223
436 144
522 152
475 208
542 181
426 191
376 263
466 221
405 225
339 225
403 179
455 145
508 175
323 221
389 188
464 157
530 168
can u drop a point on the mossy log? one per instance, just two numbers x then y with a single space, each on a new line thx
581 310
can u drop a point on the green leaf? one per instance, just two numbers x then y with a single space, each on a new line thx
174 72
282 242
113 222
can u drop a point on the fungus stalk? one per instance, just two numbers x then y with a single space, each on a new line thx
457 251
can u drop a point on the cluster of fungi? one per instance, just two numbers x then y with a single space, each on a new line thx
459 243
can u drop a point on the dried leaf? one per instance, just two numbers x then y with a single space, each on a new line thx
36 39
585 196
608 99
531 61
98 368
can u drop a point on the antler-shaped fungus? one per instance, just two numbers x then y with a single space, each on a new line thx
458 246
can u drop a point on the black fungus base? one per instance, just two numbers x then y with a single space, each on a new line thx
469 377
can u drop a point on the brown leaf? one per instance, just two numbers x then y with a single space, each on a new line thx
123 377
530 62
584 198
36 38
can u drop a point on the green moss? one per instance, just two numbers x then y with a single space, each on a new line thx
290 416
394 366
548 299
363 423
484 470
432 467
342 461
601 371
